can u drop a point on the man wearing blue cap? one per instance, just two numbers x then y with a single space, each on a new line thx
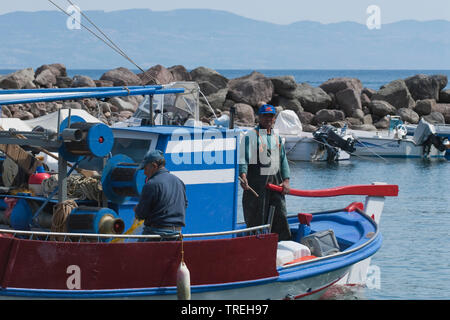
264 161
163 199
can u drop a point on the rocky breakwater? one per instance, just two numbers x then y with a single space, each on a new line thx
337 101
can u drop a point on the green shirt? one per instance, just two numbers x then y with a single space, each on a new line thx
253 141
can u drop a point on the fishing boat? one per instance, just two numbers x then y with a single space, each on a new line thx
395 142
56 245
325 144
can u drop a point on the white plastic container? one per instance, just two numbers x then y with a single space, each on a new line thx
298 250
284 256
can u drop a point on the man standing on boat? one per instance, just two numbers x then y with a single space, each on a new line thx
263 161
163 199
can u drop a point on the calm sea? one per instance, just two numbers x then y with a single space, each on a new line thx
414 260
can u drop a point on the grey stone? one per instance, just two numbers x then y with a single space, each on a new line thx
252 89
327 116
287 104
207 74
408 115
284 85
335 85
18 79
312 99
396 93
444 96
424 107
435 118
349 100
423 86
46 78
382 108
156 75
122 77
244 114
180 73
82 81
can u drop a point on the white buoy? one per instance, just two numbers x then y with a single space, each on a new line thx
183 282
183 277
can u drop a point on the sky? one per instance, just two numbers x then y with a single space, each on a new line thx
274 11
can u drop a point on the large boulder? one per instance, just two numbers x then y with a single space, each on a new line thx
287 104
444 109
423 86
122 105
206 74
305 117
122 77
311 98
396 93
180 73
82 81
251 89
18 80
444 96
58 69
349 100
284 86
156 75
215 100
368 92
435 118
424 107
382 108
328 116
408 115
207 88
46 78
382 123
335 85
64 82
244 114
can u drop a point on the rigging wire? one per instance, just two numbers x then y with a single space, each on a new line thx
108 41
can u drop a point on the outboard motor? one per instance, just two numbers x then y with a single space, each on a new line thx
425 135
332 141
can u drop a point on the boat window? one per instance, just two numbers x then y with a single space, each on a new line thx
134 148
172 109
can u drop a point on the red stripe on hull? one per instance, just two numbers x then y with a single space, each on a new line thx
44 265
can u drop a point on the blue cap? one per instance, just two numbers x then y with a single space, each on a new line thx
151 156
267 109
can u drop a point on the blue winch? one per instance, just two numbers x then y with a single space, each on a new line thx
84 139
95 220
122 179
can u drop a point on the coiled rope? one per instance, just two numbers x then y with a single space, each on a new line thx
61 212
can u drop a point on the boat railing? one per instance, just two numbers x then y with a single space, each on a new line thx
71 237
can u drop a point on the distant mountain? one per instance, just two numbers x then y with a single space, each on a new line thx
220 40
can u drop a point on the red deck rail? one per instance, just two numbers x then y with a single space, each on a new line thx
376 190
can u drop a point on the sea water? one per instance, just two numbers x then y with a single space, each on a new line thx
414 260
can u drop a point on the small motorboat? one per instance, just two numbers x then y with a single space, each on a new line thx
56 245
325 144
442 131
395 142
